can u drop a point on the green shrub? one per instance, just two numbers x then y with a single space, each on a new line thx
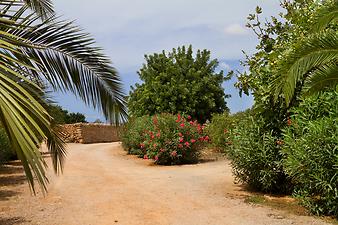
134 133
6 152
219 130
256 158
166 138
311 151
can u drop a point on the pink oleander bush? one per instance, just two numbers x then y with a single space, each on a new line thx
165 138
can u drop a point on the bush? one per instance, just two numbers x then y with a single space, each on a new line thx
6 152
134 133
256 158
219 130
166 138
311 151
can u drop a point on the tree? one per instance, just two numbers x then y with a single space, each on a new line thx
75 118
62 116
277 38
39 51
176 82
314 60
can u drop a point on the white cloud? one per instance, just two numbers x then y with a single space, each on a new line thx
224 66
235 29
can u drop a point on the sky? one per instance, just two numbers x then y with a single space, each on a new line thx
129 29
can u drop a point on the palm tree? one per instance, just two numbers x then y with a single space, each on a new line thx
38 51
313 63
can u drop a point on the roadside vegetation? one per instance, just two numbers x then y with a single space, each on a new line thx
288 142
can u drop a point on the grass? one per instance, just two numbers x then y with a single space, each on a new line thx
284 203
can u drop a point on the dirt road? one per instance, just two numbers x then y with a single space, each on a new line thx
101 185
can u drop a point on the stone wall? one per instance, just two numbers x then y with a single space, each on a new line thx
90 133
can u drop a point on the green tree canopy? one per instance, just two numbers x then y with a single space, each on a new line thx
178 82
62 116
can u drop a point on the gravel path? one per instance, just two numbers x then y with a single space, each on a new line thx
101 185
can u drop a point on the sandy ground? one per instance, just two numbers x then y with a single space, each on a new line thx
101 185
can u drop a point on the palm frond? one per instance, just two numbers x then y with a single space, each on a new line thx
59 53
323 78
70 62
326 15
313 52
43 8
24 120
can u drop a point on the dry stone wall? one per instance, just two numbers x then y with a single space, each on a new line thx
87 133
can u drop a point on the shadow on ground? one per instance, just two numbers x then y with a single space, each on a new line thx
11 175
12 221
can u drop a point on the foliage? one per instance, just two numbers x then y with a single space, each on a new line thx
256 158
75 118
178 82
256 152
165 138
277 38
314 58
38 51
220 127
6 152
132 134
62 116
311 153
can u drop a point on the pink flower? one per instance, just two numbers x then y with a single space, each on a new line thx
155 145
187 144
189 117
152 137
191 123
162 150
156 158
181 140
182 125
192 140
206 138
180 146
180 134
142 145
145 157
158 134
174 154
178 118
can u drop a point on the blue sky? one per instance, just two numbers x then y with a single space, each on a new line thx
127 30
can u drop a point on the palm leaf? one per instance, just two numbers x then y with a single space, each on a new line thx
312 53
42 8
33 52
326 15
322 78
69 62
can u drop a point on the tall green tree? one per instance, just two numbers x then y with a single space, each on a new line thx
37 50
178 82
